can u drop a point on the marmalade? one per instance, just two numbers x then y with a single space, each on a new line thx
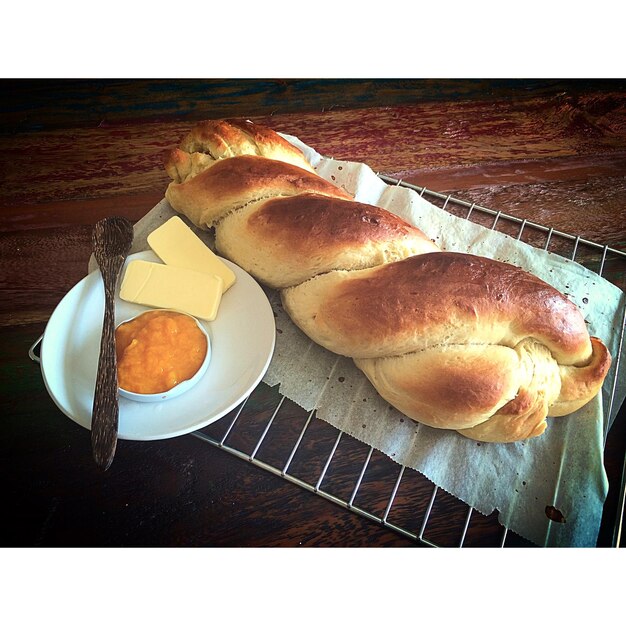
158 350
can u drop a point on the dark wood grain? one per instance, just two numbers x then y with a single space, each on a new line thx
74 152
40 104
166 493
112 240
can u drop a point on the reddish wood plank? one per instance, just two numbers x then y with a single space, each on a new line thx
64 213
461 133
38 269
521 171
593 209
110 160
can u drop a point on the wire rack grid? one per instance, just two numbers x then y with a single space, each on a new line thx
272 433
265 437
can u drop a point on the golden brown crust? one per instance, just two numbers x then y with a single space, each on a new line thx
285 241
453 340
580 384
503 428
230 184
455 386
435 299
177 165
488 393
221 139
524 416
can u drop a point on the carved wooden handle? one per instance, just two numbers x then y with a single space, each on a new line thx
105 414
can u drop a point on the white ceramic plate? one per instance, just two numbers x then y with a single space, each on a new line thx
242 342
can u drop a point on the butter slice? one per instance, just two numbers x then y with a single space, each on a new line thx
176 244
168 287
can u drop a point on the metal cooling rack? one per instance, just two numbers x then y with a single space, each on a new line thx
350 479
250 434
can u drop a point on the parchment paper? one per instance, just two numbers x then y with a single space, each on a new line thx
562 468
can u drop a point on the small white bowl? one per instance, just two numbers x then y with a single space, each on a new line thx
183 386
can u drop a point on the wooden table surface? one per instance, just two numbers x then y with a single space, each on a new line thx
553 152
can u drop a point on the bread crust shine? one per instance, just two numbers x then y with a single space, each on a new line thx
434 299
452 340
231 184
221 139
285 241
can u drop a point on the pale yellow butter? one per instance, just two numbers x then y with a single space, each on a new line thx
168 287
176 244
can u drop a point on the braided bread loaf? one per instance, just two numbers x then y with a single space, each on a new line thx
452 340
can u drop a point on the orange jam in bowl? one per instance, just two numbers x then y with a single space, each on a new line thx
159 350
